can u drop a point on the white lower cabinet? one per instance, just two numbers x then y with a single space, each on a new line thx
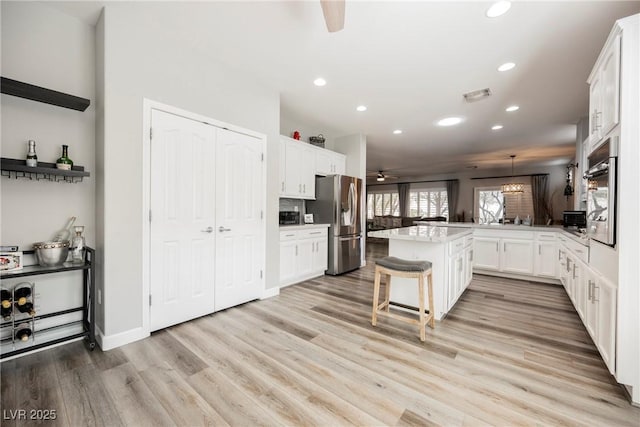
487 253
545 257
303 254
517 256
601 317
460 268
513 253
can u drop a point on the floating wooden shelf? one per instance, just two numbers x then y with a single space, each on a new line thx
15 168
41 94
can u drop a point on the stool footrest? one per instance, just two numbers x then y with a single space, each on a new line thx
406 319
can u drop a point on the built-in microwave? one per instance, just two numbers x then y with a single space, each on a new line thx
601 194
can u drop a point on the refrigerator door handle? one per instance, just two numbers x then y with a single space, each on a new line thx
344 239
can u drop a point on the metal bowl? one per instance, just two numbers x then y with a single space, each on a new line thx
50 254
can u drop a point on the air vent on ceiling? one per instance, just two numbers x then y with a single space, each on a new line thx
477 95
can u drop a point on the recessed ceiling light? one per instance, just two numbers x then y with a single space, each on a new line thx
450 121
506 66
512 108
397 132
496 127
498 8
361 108
319 81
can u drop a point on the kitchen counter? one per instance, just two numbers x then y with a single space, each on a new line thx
577 237
423 233
303 226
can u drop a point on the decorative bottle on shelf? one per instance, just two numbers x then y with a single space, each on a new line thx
23 332
6 303
32 157
64 162
65 233
77 245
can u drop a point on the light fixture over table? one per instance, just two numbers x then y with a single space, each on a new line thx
512 188
380 176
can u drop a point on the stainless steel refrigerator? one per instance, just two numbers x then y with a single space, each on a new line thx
338 202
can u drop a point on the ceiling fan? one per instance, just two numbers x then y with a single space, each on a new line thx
381 176
333 11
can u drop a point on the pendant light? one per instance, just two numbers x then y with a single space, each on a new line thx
516 188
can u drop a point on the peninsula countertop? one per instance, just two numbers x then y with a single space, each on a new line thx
423 233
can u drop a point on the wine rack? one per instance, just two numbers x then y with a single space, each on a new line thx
16 168
12 346
20 320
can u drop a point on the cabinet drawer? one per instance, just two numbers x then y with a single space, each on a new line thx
314 232
288 235
505 234
549 236
468 240
456 246
580 251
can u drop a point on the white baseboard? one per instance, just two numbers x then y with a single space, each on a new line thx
271 292
517 276
108 342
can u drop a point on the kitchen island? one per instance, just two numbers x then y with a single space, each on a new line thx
449 249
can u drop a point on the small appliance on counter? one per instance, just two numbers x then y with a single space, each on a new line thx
574 219
289 218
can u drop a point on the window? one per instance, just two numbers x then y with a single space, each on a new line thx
429 203
489 204
380 204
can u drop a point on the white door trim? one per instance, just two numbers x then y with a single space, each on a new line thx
147 106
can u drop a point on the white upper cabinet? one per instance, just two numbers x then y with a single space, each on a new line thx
297 176
301 162
604 92
329 162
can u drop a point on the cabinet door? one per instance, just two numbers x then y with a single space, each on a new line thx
595 94
321 254
305 257
517 256
546 259
610 94
591 309
339 164
581 285
468 266
288 261
487 253
575 278
452 285
293 159
283 168
605 296
324 162
306 168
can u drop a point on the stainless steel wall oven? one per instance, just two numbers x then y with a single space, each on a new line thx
601 198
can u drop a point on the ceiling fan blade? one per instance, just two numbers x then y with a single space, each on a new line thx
333 11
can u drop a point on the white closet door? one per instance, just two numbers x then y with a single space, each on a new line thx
183 216
239 229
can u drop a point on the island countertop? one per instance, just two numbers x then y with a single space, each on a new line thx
422 233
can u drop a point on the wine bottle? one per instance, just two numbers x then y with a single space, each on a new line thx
64 162
27 308
65 233
23 332
5 307
32 157
22 293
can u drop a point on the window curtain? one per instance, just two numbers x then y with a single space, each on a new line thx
453 188
539 194
403 199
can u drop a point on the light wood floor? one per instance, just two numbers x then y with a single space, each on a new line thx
510 353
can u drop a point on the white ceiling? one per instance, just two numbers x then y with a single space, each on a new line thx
410 63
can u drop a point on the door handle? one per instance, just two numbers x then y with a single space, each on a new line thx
221 229
207 230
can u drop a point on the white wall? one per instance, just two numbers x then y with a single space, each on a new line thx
557 183
290 121
143 59
46 48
